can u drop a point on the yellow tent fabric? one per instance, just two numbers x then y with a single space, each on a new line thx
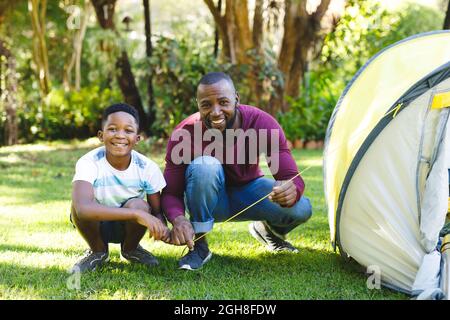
369 97
441 100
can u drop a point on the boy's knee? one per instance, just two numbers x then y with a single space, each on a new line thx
138 204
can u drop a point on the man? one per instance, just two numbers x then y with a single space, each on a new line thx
216 183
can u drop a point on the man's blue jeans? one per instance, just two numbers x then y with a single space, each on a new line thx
209 200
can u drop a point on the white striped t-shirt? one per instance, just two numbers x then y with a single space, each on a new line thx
113 187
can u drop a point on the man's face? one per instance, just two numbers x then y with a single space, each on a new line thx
119 134
217 104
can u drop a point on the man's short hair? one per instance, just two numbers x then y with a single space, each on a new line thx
118 107
214 77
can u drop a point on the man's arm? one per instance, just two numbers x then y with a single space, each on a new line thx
286 193
173 203
88 209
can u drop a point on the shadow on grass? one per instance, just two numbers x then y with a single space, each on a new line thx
310 274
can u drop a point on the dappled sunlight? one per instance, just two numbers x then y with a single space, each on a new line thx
51 146
37 238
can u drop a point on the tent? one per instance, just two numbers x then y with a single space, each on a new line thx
386 163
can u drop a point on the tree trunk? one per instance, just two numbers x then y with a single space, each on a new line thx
447 17
75 59
104 11
40 55
149 51
216 32
301 35
9 96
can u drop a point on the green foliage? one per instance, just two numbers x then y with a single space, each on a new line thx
177 67
65 115
364 29
309 114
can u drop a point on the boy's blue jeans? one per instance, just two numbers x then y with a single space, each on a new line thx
209 200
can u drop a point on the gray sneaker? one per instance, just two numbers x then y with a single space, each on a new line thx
196 258
273 242
90 261
140 255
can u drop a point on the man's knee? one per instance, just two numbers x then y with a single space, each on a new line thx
203 167
303 209
138 204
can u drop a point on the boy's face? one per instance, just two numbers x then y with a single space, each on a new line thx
119 134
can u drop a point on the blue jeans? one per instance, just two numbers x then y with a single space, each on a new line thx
209 200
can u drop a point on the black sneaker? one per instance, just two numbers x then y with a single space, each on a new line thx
90 261
140 255
196 258
273 242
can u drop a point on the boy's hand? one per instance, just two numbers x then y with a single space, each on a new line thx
155 226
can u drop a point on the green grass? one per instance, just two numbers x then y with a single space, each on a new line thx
38 244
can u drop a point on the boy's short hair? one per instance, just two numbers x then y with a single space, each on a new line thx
118 107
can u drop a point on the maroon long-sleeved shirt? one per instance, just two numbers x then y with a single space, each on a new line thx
239 158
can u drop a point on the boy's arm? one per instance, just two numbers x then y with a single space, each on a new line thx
154 200
88 209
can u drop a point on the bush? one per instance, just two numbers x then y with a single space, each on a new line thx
177 67
65 115
364 29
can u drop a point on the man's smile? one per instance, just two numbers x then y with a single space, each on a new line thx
219 121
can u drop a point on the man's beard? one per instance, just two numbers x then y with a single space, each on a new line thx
230 122
228 125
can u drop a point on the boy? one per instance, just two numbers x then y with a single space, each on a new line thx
109 187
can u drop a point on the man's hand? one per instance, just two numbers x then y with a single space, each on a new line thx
284 193
182 232
155 226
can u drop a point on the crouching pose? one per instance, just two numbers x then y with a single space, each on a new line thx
116 193
212 172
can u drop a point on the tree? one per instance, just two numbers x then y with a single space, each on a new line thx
9 94
447 17
104 10
8 87
242 45
149 51
38 11
75 59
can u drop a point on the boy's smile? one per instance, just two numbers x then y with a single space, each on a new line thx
119 135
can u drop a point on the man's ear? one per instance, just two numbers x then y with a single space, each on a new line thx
100 135
138 138
238 98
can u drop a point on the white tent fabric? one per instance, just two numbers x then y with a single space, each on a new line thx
434 204
398 210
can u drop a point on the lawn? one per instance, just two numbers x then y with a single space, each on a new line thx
38 245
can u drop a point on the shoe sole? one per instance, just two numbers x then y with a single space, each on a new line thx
256 234
188 267
260 239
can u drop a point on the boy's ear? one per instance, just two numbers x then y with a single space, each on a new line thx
138 138
100 135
